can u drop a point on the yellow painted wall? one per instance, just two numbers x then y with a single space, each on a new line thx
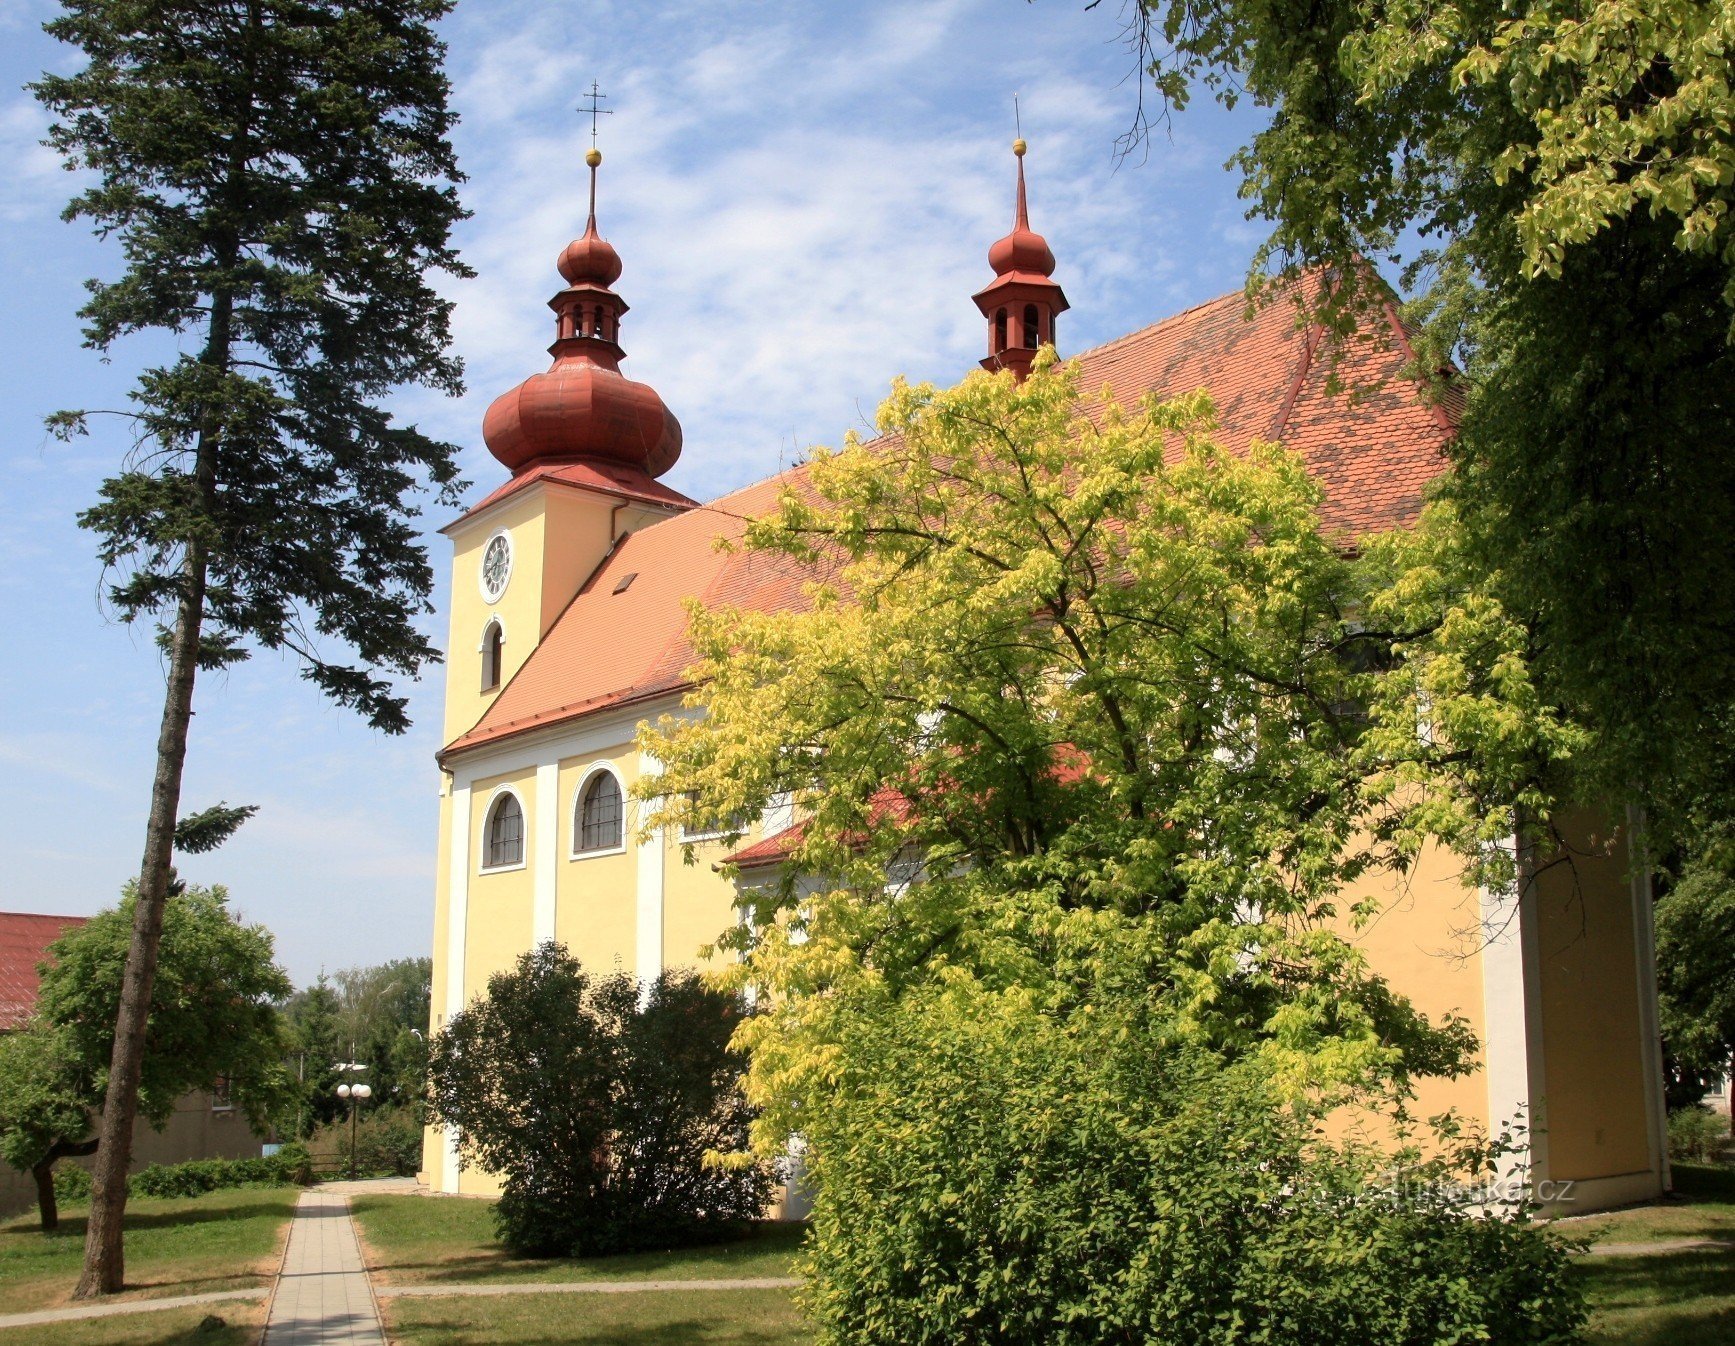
1593 1052
559 537
596 895
499 909
698 902
519 607
1426 944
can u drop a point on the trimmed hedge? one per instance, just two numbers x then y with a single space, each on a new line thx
195 1177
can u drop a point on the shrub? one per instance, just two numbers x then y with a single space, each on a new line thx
388 1141
1696 1133
71 1183
597 1112
198 1176
990 1172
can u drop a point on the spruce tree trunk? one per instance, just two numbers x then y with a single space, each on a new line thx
104 1256
104 1264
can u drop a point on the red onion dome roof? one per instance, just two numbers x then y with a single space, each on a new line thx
1023 249
590 260
583 407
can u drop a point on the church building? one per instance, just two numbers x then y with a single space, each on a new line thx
568 630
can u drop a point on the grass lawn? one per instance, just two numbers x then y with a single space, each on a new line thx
241 1324
185 1246
657 1318
1652 1224
1661 1299
413 1240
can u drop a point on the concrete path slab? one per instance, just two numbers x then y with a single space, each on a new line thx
113 1310
1657 1247
323 1297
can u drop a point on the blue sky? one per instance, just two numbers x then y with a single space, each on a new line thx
803 195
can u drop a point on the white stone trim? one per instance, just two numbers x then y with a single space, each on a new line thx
487 821
1512 1021
457 923
586 776
547 868
559 744
649 942
494 619
1645 967
1581 1196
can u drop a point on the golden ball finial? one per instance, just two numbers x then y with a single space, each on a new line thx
1018 147
593 157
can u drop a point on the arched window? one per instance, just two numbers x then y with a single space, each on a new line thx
505 833
598 824
1032 337
999 332
492 636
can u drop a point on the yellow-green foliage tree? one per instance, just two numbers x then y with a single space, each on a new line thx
1086 713
1123 708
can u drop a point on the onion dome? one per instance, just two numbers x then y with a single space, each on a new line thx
583 406
1021 303
1023 249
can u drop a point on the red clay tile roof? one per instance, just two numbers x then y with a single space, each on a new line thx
24 941
607 478
1374 445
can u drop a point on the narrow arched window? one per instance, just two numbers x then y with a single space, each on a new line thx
1032 336
505 833
599 814
491 640
999 332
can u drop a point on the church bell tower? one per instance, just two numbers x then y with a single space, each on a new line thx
1021 303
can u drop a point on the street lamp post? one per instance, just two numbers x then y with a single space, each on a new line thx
353 1094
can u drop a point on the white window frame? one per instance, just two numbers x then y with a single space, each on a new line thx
488 821
575 818
494 619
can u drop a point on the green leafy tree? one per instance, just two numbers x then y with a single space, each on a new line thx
213 1018
317 1040
385 1013
279 177
1555 183
1696 970
1092 723
598 1109
1121 715
46 1104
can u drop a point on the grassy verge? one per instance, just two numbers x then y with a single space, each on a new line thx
662 1318
238 1326
1652 1224
1664 1298
174 1246
412 1240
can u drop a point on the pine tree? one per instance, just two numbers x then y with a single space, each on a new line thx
280 178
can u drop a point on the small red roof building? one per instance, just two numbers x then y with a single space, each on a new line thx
24 941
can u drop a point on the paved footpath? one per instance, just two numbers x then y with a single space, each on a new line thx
323 1297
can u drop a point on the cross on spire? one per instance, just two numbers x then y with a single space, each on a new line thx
595 108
